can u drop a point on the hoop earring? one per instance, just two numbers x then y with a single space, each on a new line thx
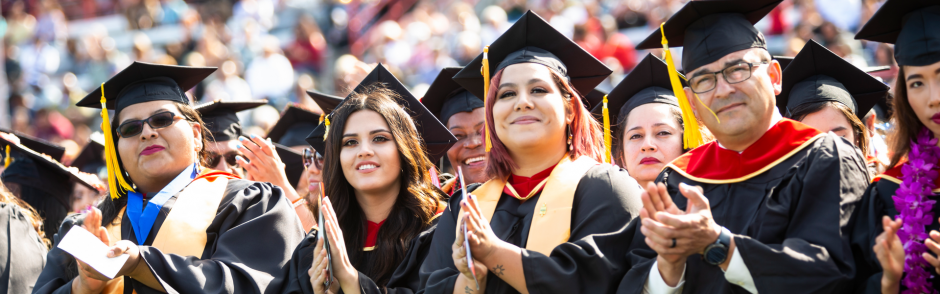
569 137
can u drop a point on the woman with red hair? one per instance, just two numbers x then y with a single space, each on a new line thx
552 218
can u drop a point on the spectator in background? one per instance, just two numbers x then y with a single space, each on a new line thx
229 86
309 46
20 25
270 75
51 25
495 23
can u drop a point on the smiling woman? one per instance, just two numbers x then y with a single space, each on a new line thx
185 227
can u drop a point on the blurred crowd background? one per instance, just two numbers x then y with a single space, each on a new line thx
56 51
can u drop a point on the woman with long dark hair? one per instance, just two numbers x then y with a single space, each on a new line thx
381 206
896 236
552 218
185 228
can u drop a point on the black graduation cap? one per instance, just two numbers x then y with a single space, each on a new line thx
91 158
913 26
594 98
816 74
36 144
532 40
27 166
326 102
293 163
445 97
293 126
647 83
144 82
221 119
784 61
437 138
709 30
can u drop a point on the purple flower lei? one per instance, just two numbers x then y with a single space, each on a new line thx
913 205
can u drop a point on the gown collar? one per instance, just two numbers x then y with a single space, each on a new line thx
516 186
372 233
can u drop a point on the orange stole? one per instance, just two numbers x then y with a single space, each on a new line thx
551 226
184 230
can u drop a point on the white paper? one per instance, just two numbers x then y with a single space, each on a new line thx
89 249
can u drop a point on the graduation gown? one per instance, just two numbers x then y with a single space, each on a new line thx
787 199
606 202
22 252
877 203
247 249
404 279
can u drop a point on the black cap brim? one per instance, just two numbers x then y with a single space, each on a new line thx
47 161
648 73
784 61
293 119
584 70
221 119
813 60
36 144
293 163
326 102
444 89
91 155
912 25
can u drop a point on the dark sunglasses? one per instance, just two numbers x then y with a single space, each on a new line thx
157 121
311 157
215 158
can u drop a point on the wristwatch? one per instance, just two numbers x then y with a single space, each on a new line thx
717 252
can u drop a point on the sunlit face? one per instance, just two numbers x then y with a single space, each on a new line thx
652 138
226 149
923 93
529 111
830 119
369 155
468 153
82 197
161 153
739 106
311 178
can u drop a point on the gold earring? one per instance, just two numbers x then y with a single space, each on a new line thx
569 137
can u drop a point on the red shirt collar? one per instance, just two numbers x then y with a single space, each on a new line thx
524 186
372 232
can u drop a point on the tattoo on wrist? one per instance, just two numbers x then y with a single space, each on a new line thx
468 290
498 270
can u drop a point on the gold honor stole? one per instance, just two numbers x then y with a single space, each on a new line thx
551 224
184 230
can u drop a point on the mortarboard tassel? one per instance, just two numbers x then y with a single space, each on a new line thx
326 127
321 117
607 139
115 176
486 91
7 160
692 137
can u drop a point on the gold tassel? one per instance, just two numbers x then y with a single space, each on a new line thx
115 176
607 139
486 91
8 159
321 117
692 137
326 127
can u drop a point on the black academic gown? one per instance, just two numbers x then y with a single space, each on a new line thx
22 252
790 222
404 280
247 250
877 203
605 204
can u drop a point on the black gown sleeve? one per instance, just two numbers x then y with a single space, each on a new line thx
867 227
298 281
60 268
250 243
22 252
607 201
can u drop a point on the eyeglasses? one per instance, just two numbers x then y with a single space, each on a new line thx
733 74
215 158
312 157
135 127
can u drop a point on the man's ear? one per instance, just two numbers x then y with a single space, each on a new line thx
689 95
775 72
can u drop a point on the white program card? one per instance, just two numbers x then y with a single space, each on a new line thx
89 249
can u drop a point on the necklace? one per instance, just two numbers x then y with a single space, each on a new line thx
912 201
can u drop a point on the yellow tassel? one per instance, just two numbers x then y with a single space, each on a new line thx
692 137
115 176
8 159
486 91
326 127
321 117
607 139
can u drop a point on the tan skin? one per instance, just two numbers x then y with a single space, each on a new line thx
467 127
830 119
266 166
923 94
531 119
746 111
150 173
652 138
372 166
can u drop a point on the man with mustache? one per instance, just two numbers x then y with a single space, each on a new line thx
764 208
462 114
